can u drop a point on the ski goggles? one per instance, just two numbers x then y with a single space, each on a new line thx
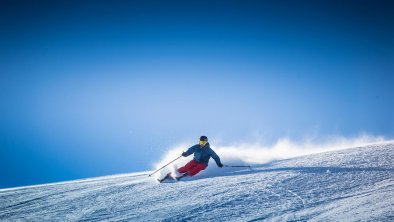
202 143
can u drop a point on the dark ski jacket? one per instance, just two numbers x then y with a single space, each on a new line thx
202 155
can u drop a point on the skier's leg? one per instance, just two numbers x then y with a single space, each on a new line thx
187 167
196 169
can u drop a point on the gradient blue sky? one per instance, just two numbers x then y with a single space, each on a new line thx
93 88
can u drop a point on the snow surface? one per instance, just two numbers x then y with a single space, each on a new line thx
354 184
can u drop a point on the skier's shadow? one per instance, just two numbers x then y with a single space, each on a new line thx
213 171
269 167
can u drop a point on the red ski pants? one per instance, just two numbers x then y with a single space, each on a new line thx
192 168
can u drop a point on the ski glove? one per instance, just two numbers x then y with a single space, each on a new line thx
220 165
184 154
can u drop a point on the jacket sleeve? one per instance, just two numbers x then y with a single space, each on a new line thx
216 158
188 152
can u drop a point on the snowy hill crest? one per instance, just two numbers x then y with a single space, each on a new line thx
346 185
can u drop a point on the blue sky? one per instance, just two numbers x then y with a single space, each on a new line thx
101 87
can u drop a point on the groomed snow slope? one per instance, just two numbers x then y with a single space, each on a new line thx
355 184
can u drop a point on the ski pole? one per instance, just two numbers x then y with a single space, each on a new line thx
238 166
165 165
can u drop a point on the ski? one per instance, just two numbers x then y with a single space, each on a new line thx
165 178
168 176
180 177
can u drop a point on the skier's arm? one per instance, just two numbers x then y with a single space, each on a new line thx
216 158
188 152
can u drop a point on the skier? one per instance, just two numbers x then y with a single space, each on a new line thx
202 154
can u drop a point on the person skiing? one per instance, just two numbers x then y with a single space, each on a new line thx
202 154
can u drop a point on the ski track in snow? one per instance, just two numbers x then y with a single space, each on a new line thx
296 195
346 185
